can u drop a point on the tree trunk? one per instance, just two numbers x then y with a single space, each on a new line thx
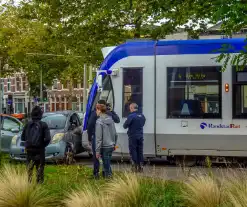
137 32
70 95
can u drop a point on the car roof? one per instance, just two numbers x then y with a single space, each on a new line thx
66 113
6 115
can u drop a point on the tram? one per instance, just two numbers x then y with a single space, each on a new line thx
193 109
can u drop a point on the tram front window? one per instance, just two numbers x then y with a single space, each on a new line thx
106 93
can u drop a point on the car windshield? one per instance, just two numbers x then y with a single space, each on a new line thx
81 115
55 121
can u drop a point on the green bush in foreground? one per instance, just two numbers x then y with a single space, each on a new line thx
17 191
127 190
68 186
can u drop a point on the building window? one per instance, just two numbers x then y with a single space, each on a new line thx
74 106
239 93
194 92
75 82
65 84
24 82
19 105
82 83
2 85
55 83
74 103
18 84
132 89
9 85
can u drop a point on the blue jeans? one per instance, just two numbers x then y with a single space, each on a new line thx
96 163
136 150
106 154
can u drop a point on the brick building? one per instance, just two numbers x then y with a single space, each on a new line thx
15 88
15 91
59 95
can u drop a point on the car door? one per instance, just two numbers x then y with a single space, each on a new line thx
9 128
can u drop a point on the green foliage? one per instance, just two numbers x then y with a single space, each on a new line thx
231 14
166 193
85 27
81 28
19 37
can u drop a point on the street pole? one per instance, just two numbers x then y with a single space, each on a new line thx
90 76
1 97
85 88
41 91
1 118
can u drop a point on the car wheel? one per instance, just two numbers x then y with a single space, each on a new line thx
69 155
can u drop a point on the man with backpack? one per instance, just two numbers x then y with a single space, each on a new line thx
36 136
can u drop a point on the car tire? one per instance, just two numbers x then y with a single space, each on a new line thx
69 155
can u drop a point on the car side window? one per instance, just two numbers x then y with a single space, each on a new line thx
78 119
9 124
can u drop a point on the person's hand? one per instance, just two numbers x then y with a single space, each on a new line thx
98 156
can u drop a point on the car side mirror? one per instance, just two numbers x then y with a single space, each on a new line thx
15 130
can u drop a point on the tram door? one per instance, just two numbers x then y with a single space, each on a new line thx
137 86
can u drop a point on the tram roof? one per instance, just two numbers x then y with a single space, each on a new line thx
173 47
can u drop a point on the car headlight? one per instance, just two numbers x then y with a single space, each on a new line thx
14 140
57 137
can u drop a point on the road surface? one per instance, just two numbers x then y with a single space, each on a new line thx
161 169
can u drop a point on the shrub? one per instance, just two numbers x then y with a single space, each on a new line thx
16 191
125 191
236 189
87 197
203 191
160 193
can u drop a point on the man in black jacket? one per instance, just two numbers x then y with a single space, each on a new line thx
36 136
135 123
91 132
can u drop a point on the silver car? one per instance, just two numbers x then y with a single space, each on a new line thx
65 142
81 115
9 127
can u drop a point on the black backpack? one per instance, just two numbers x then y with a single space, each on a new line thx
34 135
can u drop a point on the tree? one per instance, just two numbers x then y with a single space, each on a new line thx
87 26
20 36
232 16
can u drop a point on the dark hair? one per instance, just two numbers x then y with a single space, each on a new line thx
101 107
103 102
36 113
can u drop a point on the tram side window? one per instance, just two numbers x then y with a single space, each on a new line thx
132 89
239 93
106 93
194 92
